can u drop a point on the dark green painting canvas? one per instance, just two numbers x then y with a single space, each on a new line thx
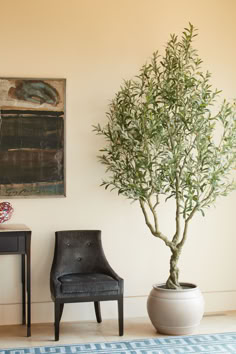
32 120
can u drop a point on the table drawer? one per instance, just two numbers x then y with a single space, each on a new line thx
11 243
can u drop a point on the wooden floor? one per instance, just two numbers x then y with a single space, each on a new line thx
82 332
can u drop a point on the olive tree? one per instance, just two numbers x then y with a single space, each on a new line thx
167 134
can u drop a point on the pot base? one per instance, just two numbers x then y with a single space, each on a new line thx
177 331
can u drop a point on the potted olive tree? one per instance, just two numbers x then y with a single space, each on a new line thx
167 136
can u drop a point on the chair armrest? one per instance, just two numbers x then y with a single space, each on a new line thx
107 269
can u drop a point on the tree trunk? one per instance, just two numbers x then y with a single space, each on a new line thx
173 280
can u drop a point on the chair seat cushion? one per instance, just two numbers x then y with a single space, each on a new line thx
88 283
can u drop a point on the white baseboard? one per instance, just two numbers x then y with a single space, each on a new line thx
220 301
134 306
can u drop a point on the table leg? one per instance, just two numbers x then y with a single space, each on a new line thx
28 299
28 289
23 287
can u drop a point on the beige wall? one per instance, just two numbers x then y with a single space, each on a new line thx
95 44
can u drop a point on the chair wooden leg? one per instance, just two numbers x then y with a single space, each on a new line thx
58 313
121 316
61 310
98 311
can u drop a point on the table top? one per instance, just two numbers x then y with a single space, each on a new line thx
13 227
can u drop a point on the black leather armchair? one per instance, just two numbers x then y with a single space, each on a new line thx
81 273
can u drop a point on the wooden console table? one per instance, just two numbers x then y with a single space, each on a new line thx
16 239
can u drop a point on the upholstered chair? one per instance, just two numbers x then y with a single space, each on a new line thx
81 273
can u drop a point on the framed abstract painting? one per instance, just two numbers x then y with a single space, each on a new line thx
32 139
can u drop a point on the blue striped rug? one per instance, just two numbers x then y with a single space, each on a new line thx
205 343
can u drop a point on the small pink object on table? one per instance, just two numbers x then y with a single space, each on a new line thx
6 211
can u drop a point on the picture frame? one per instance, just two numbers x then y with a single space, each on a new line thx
32 137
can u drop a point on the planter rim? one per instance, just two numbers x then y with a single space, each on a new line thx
187 287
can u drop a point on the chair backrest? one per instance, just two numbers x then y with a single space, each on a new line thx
79 251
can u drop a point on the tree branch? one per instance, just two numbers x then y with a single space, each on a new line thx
152 208
177 215
155 233
157 202
204 202
181 243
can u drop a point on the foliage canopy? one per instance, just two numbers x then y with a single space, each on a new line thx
165 136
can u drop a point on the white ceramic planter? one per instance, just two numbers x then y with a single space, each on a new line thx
175 312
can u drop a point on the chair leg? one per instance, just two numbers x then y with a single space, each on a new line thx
121 316
61 310
57 314
98 311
